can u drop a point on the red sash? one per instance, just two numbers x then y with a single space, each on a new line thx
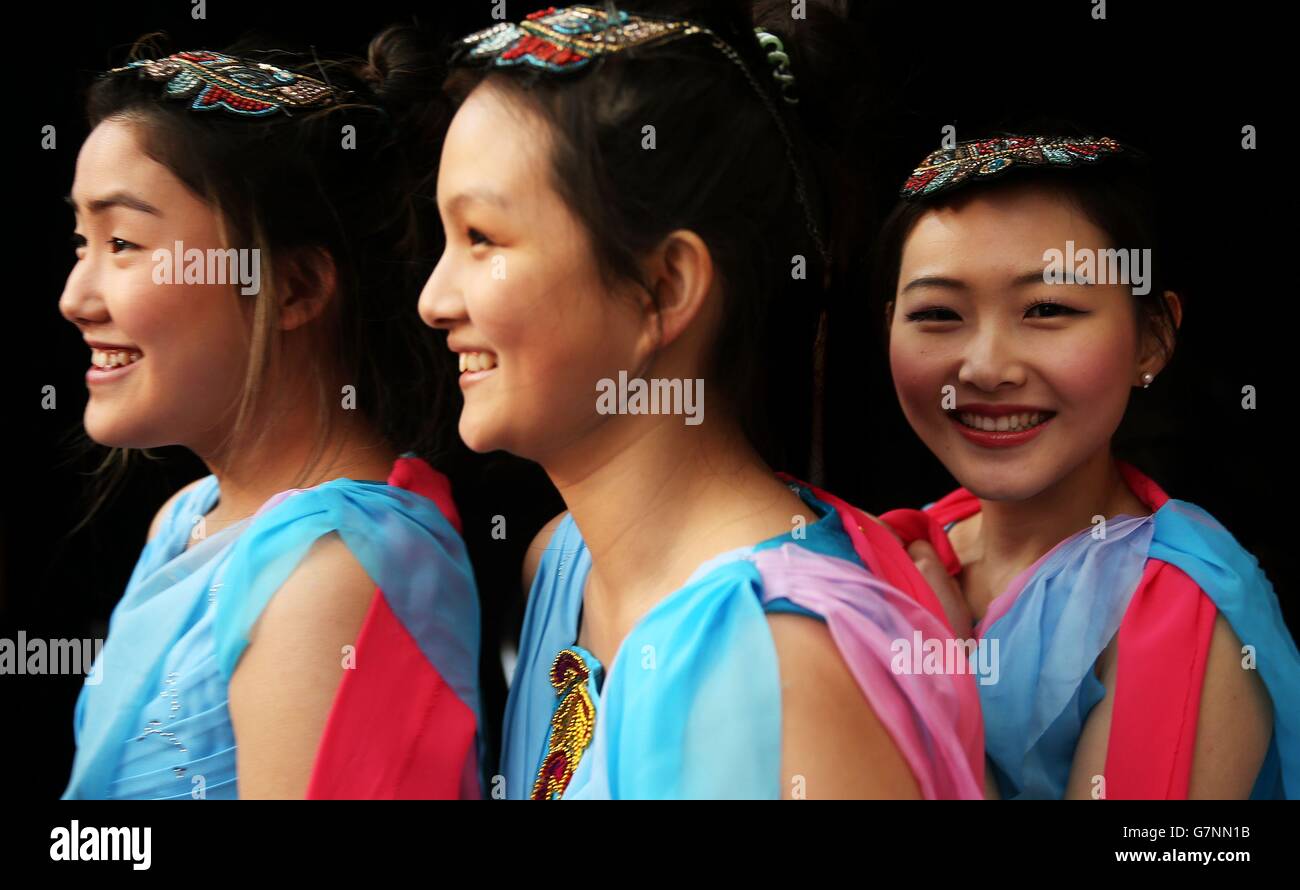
396 730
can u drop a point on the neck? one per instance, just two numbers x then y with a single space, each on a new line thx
654 498
1019 532
280 459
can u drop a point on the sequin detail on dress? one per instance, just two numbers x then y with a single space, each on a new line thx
572 726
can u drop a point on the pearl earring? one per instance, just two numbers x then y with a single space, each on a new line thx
1147 377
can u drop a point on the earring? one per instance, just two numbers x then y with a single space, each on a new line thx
1147 377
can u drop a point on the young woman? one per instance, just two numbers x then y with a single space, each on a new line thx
629 196
1142 650
240 285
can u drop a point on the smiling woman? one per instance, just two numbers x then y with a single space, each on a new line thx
174 390
1128 621
632 194
309 390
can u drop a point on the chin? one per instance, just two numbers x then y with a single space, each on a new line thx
112 430
106 431
477 436
1009 492
1011 481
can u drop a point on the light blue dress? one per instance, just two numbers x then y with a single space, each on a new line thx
691 705
1056 618
1061 613
153 720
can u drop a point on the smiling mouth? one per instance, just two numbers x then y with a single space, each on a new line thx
108 359
1006 423
477 361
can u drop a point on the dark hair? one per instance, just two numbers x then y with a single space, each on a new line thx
721 168
1117 195
285 184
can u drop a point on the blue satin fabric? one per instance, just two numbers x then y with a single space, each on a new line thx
158 719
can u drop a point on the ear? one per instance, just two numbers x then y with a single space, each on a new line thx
889 315
308 286
1175 304
1154 357
680 274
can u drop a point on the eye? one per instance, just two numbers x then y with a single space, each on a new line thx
476 237
117 245
1050 309
936 313
78 242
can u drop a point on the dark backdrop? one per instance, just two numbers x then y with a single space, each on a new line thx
1178 85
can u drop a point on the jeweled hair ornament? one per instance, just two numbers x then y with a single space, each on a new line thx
239 86
950 168
565 41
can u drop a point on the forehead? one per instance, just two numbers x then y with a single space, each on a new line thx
1002 227
113 158
495 142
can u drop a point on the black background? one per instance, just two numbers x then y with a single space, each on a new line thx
1177 83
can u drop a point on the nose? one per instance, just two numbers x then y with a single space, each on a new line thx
990 361
81 301
441 303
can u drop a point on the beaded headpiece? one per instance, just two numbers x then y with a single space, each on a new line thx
949 168
563 41
239 86
568 39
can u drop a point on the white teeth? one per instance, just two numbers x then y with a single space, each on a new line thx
107 359
1005 423
477 361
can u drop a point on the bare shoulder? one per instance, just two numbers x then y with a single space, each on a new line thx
1235 722
533 555
1233 727
322 597
156 525
285 682
833 743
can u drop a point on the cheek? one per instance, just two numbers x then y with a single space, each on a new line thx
195 331
553 340
525 329
919 372
194 338
1091 372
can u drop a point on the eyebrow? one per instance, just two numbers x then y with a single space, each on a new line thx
940 281
116 199
486 196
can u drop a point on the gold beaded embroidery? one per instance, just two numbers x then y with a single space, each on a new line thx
572 725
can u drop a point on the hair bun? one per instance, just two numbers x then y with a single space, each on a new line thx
402 68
